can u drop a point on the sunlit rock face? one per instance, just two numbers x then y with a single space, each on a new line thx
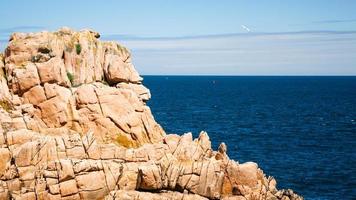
75 125
72 81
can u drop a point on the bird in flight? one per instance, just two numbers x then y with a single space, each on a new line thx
246 28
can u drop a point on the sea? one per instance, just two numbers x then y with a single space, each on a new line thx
299 129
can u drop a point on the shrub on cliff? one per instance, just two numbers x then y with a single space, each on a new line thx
70 77
78 48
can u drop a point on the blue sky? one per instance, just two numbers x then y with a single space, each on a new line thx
208 37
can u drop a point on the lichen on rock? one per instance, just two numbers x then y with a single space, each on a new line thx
75 125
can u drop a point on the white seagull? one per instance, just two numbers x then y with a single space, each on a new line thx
246 28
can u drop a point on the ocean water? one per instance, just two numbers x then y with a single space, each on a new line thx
301 130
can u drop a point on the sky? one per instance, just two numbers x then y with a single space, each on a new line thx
205 37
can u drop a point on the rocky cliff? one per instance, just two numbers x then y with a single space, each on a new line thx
75 125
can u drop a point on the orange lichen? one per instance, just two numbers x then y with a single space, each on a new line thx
124 141
6 105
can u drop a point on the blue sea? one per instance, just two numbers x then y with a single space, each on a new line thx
301 130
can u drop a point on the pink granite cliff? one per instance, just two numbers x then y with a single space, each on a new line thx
75 125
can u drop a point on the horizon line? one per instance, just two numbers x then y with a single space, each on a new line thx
249 34
280 75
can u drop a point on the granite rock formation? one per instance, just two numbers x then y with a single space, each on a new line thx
75 125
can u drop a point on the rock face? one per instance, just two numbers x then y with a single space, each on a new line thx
75 125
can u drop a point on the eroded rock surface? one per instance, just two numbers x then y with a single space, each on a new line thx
75 125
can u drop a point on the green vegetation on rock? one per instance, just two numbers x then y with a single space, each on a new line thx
78 48
70 77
